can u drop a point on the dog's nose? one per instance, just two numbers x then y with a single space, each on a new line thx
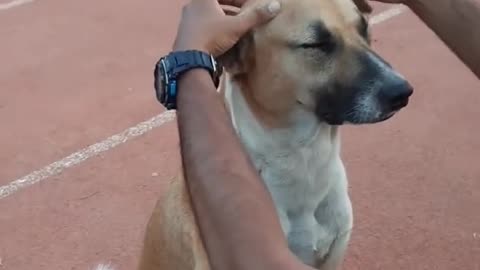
395 95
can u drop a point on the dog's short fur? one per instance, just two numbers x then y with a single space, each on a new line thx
289 85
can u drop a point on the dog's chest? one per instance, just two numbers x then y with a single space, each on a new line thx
297 179
304 184
302 170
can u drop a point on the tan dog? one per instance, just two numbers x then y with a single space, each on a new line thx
289 85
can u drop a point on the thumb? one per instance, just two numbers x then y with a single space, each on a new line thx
256 16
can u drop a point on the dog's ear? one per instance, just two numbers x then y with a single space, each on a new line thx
236 60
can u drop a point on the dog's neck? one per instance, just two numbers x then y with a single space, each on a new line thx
303 131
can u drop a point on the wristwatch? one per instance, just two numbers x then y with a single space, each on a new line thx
170 67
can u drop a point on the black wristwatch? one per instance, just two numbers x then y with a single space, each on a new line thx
169 69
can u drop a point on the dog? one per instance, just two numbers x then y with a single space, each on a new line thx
289 86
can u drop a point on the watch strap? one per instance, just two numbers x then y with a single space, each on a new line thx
180 62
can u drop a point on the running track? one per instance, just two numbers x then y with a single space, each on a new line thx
85 147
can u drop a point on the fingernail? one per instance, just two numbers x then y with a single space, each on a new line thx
273 7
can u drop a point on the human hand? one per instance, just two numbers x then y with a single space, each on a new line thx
364 6
205 26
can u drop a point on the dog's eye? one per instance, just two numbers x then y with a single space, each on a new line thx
319 39
325 46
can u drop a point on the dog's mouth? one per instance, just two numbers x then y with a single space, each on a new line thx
332 119
386 116
372 120
358 119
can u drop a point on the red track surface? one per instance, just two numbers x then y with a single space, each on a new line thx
76 72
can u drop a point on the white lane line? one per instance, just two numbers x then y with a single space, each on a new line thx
120 138
14 3
86 153
387 14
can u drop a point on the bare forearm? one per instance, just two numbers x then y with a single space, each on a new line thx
227 194
457 23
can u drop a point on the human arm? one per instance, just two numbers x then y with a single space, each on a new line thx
235 214
455 22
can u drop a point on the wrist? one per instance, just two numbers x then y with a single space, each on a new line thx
195 76
182 48
180 45
196 84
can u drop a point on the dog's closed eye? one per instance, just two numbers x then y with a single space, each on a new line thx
327 46
322 39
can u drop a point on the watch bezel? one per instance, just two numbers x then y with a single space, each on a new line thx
165 81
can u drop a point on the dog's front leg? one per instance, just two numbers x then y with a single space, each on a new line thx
334 258
335 218
301 238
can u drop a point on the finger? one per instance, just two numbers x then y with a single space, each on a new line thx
230 10
206 4
235 3
255 16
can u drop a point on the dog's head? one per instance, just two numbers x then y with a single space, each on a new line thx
315 56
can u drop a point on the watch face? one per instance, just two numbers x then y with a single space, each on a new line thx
159 76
